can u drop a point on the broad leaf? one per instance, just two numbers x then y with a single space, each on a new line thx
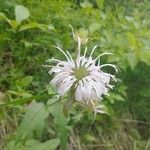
145 57
61 122
33 122
100 3
21 13
33 145
48 145
24 82
132 60
94 27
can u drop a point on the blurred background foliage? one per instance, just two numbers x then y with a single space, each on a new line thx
28 31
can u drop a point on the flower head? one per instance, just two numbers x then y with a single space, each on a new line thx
83 75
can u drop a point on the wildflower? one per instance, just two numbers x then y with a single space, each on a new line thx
83 75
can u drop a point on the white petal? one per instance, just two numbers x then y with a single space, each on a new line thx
89 63
62 52
105 53
83 61
107 74
93 50
78 96
59 78
55 69
87 89
78 62
111 65
65 87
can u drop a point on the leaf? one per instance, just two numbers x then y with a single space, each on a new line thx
12 23
118 97
132 60
11 3
33 145
115 97
12 146
61 122
94 27
33 121
145 57
52 101
24 82
36 145
23 100
86 4
21 13
89 138
132 39
100 3
33 25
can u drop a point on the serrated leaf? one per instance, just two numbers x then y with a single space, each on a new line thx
61 122
21 13
33 121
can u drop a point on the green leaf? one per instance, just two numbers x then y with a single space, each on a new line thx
94 27
33 122
132 39
36 145
52 101
132 60
12 23
86 4
21 13
33 145
100 3
33 25
89 138
118 97
61 122
145 57
115 97
23 100
24 82
12 146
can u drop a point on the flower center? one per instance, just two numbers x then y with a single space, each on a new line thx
80 73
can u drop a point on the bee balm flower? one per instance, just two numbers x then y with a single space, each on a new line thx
83 75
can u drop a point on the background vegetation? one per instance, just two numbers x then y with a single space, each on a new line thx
30 117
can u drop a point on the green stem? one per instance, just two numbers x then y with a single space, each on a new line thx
69 103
